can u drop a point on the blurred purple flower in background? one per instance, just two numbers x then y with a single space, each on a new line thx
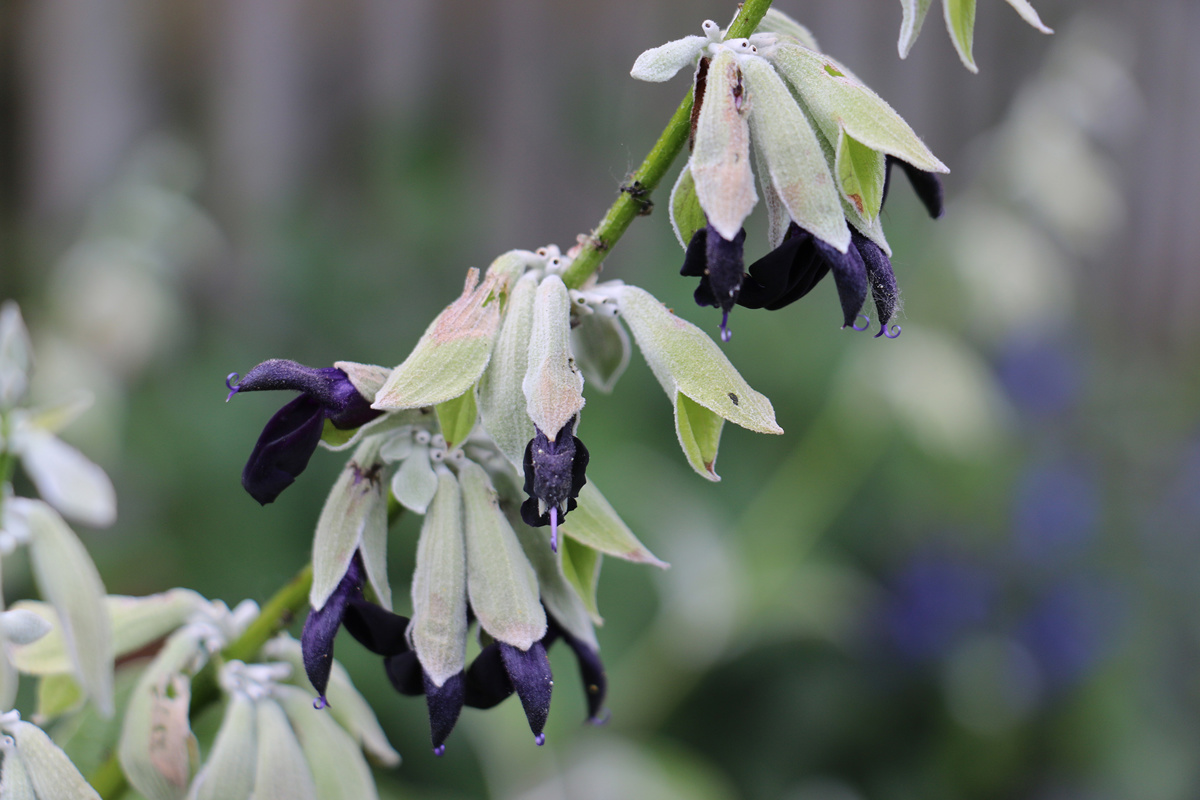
1056 510
1071 628
933 600
1041 377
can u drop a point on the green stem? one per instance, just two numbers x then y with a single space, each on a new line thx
633 198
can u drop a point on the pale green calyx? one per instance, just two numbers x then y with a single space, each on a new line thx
720 162
553 385
354 520
438 630
705 388
792 167
501 399
501 584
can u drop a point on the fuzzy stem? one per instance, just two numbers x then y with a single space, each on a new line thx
633 198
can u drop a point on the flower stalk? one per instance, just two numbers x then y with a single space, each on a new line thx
633 200
108 779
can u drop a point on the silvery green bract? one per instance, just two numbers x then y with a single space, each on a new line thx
354 520
704 387
960 22
33 766
457 345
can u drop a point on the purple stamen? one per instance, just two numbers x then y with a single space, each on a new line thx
891 333
866 323
440 750
540 739
726 334
320 703
230 385
602 719
553 530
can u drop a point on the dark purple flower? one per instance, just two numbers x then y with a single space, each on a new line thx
791 270
499 671
290 437
927 185
321 627
554 474
717 262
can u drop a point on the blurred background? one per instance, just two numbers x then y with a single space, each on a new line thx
968 570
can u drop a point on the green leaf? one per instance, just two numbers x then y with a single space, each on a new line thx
910 25
861 173
553 386
721 157
501 398
500 580
960 21
795 165
837 100
457 417
685 360
69 580
438 630
1028 14
581 567
699 432
595 524
687 216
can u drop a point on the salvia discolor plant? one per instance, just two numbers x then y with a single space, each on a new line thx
480 430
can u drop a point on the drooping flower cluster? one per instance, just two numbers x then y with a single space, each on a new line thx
477 431
821 143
